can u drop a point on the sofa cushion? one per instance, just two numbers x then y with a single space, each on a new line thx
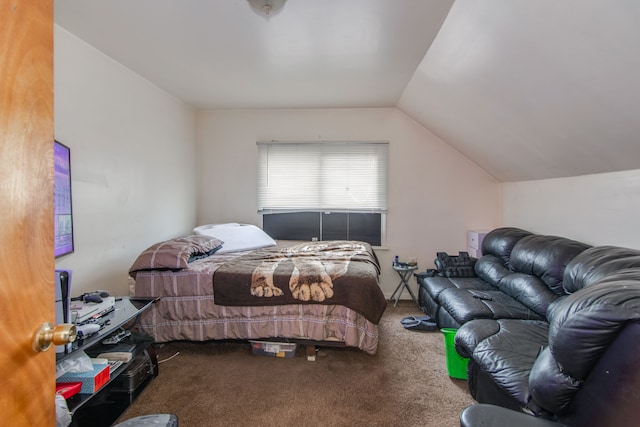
473 332
430 289
508 353
500 242
582 328
545 257
586 322
435 285
552 388
491 269
530 291
464 305
597 263
609 396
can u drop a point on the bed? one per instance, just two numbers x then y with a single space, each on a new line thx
211 287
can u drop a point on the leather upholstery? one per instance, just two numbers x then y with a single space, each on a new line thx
505 349
597 263
501 241
492 269
519 278
495 416
468 304
489 270
580 365
545 257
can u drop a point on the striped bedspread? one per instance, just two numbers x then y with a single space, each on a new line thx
187 310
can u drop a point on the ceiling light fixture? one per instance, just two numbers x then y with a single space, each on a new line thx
266 7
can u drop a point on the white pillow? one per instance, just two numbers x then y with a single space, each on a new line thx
236 237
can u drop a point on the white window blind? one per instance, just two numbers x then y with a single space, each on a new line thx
322 176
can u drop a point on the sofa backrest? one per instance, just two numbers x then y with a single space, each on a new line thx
537 265
497 245
500 242
588 375
545 257
596 263
528 267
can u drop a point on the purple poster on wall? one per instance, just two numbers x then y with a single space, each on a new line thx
63 218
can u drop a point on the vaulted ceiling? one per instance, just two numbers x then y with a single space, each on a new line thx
526 89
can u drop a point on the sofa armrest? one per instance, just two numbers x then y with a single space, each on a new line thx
482 415
473 332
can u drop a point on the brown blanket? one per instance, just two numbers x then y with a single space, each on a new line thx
334 272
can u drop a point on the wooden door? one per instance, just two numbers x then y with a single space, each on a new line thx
26 211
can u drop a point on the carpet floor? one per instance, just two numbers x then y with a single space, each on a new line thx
225 384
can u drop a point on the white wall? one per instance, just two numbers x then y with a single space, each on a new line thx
600 209
133 163
435 194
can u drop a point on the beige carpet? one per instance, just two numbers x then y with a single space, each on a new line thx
224 384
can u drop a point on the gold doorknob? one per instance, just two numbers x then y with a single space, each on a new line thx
47 334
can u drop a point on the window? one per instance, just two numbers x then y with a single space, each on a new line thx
326 190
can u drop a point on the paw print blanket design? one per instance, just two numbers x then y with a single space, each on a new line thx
336 272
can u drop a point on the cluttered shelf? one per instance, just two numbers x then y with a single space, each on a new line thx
124 310
115 352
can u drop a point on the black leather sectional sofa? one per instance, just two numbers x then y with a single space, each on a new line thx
551 327
517 278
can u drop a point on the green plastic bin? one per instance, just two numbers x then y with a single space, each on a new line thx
456 365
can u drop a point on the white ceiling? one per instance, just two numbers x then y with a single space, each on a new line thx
528 89
534 89
219 54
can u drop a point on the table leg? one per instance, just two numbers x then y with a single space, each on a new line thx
404 276
398 288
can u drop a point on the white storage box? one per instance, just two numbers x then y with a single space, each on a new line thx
275 349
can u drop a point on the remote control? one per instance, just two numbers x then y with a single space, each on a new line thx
483 297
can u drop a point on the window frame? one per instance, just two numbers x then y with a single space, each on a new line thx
378 180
